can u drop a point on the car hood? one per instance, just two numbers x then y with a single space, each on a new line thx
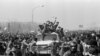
47 42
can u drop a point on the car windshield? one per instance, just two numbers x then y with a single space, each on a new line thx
47 37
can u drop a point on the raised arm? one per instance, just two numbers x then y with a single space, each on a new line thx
55 20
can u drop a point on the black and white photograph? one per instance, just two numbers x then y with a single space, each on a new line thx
49 27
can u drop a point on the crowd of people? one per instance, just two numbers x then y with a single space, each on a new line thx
84 43
16 44
20 44
50 27
81 44
72 44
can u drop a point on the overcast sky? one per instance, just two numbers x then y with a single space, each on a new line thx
70 13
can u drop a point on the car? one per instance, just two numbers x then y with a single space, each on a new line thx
45 46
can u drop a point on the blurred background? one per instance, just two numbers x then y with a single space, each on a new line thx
25 15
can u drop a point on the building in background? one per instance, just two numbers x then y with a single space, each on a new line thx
18 27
